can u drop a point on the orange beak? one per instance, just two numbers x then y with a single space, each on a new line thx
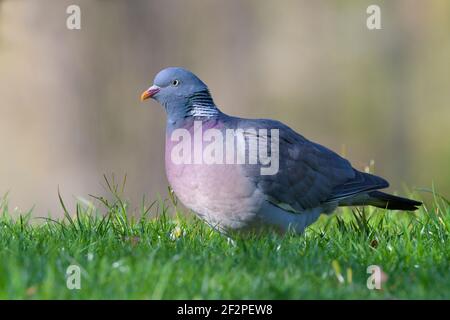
150 92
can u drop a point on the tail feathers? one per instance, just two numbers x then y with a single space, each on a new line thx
388 201
380 200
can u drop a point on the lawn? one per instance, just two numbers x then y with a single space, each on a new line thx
162 253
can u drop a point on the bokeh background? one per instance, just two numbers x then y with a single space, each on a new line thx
69 99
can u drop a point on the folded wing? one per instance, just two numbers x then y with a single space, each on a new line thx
309 174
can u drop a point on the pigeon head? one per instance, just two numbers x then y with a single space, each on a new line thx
181 93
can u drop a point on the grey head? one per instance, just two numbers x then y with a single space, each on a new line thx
181 93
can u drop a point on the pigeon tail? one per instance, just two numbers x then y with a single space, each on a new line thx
387 201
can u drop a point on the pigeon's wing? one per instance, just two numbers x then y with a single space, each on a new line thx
308 174
362 182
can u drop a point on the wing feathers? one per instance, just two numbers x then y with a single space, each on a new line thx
361 183
309 175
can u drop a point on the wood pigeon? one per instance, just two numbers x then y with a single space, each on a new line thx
215 164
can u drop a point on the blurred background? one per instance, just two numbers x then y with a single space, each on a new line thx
69 99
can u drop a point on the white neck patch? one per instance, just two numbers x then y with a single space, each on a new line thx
203 110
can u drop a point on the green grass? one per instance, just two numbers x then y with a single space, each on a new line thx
156 256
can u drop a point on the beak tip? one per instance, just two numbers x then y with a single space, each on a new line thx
145 95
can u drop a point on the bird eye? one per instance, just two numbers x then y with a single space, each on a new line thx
175 82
